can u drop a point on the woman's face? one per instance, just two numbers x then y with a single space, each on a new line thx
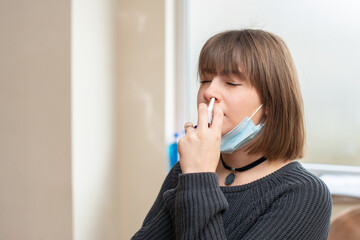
236 97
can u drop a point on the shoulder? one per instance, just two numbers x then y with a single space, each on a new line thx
306 191
292 204
296 189
306 183
293 177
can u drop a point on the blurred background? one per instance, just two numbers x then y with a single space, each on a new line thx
92 93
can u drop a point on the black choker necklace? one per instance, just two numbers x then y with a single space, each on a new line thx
231 177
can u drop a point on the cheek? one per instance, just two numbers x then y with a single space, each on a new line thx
236 109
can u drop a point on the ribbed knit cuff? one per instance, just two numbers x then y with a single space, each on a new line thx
198 181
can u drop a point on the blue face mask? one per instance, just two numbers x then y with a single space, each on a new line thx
239 136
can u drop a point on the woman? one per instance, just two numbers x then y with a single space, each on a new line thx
236 178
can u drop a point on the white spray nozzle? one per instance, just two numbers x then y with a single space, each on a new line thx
210 109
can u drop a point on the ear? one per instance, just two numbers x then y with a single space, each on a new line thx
266 112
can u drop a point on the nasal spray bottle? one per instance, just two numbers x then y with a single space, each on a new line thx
210 110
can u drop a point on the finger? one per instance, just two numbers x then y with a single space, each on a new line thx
189 130
202 117
218 117
188 126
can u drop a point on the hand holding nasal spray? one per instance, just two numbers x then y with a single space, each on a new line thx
199 149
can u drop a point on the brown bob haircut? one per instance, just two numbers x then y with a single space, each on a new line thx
263 59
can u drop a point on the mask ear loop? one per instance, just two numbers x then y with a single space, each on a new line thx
256 111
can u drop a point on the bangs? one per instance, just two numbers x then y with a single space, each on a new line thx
221 55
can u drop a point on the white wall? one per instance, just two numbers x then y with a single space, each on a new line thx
141 74
95 166
35 118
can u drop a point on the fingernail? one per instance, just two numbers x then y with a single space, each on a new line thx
195 126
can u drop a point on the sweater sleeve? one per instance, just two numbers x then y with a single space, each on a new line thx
158 223
198 204
303 213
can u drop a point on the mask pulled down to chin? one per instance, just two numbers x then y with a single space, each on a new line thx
239 136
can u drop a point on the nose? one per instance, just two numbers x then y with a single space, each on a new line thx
212 91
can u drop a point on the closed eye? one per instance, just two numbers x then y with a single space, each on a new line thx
206 81
228 83
233 84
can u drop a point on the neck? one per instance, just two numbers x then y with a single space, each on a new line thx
239 158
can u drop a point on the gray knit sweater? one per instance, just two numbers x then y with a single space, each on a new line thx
290 203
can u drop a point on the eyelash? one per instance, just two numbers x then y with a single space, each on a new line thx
231 84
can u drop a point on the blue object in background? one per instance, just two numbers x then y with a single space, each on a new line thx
173 151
